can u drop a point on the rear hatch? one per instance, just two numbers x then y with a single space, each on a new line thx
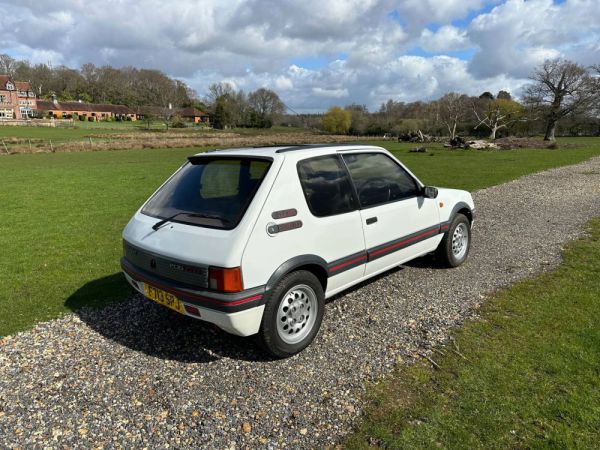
196 219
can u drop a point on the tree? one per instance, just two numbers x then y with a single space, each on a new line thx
561 88
217 90
222 113
498 114
504 95
487 95
7 64
360 118
337 120
452 109
267 105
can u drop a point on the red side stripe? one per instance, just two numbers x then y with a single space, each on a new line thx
338 266
406 241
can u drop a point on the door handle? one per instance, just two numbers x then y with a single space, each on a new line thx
371 220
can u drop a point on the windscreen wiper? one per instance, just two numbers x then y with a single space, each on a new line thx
161 222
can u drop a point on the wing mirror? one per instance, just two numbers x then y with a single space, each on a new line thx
430 192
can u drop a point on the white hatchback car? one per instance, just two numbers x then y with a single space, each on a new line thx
255 239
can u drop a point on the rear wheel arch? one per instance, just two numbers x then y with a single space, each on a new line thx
311 263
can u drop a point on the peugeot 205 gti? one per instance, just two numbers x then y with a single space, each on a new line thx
255 239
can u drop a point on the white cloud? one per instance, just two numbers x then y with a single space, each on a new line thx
446 39
353 50
330 93
518 35
283 83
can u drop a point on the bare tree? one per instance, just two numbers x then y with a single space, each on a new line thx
497 114
561 88
7 65
453 108
217 90
267 105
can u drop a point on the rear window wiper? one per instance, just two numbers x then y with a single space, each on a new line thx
160 223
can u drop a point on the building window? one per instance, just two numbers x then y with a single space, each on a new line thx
2 98
26 112
6 114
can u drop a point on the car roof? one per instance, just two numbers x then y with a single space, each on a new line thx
281 150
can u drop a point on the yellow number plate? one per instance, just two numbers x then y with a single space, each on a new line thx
164 298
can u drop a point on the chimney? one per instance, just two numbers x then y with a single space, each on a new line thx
54 99
170 106
80 101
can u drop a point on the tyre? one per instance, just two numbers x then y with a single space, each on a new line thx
293 314
454 247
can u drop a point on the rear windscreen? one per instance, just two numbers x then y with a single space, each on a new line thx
209 191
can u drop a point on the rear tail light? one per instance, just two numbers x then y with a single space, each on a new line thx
225 280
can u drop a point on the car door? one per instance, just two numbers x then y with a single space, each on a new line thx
334 228
399 223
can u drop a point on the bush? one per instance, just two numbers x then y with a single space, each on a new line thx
177 122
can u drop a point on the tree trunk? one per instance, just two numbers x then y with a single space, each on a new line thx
550 129
493 133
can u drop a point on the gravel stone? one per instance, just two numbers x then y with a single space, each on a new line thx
137 375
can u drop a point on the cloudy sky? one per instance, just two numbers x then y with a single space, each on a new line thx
314 53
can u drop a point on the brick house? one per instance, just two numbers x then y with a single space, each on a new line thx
90 112
17 99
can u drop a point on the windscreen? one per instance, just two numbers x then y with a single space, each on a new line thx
209 191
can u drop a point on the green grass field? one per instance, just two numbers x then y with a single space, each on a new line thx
81 130
528 376
63 214
56 134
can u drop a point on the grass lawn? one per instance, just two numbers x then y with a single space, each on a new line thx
81 130
57 134
529 376
63 213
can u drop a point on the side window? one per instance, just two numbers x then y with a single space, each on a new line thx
326 186
378 179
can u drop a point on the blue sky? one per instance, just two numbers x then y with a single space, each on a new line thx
314 53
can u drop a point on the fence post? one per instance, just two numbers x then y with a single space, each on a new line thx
5 147
90 138
51 147
29 144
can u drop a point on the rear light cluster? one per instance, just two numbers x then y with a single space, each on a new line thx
225 280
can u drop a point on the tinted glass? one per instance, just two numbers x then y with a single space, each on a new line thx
212 192
378 179
326 186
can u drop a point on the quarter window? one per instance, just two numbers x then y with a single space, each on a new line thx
326 186
378 179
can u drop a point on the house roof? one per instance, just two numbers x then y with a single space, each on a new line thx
190 112
23 85
20 85
44 105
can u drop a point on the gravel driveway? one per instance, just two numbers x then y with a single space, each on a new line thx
134 374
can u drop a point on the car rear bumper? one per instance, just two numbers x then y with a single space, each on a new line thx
238 313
